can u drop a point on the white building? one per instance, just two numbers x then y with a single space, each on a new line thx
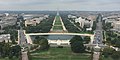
110 20
71 16
33 21
30 16
84 22
59 42
116 26
92 17
6 21
5 37
89 29
81 21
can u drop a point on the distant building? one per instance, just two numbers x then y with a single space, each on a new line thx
5 37
92 17
30 16
110 20
6 21
33 21
89 29
83 22
72 16
116 26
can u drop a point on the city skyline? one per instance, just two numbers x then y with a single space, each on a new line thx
80 5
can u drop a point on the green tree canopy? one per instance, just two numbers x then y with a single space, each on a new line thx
116 55
76 39
77 44
43 42
108 51
87 39
7 50
77 47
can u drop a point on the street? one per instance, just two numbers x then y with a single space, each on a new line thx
22 42
24 56
22 38
98 32
96 55
98 38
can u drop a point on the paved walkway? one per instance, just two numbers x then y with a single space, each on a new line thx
24 56
96 55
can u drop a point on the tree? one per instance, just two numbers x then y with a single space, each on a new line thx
77 47
107 52
117 43
43 42
87 39
15 51
37 40
77 44
76 39
94 25
116 55
6 50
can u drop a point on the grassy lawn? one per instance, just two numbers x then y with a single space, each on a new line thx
58 54
57 28
9 59
57 21
109 58
58 24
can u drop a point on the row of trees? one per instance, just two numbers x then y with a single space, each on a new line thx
43 27
94 25
7 50
69 26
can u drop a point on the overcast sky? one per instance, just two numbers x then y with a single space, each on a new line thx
83 5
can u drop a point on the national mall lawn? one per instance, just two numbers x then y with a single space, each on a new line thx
58 54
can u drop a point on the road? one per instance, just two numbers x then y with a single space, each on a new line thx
98 38
24 56
22 38
96 55
22 41
98 32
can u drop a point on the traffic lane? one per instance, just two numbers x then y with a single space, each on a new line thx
98 39
22 37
